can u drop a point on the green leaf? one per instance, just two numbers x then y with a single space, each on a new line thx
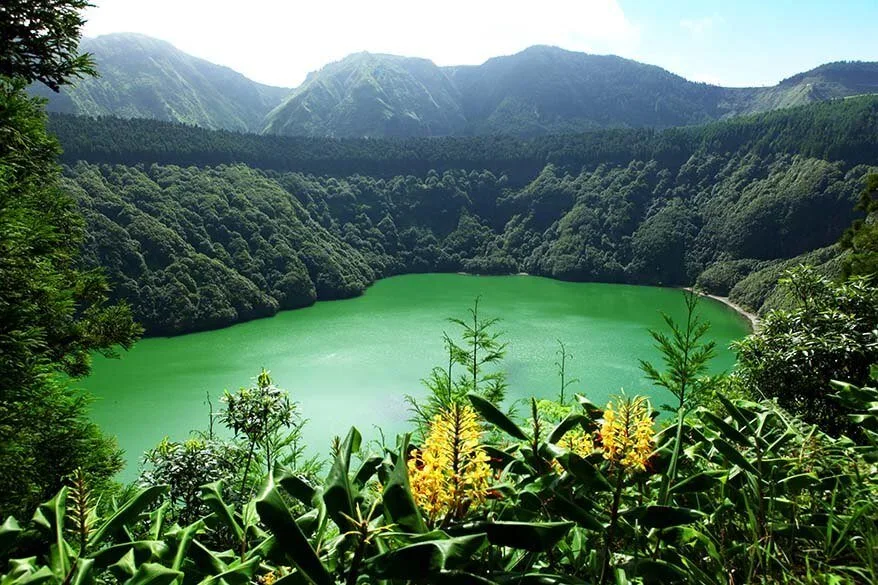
25 572
338 494
592 410
212 496
238 574
569 422
399 504
664 516
49 517
278 519
144 551
531 536
735 412
153 574
9 532
656 571
492 414
702 481
367 470
425 559
539 579
725 428
796 483
184 538
733 455
586 473
82 572
127 513
572 511
459 578
125 567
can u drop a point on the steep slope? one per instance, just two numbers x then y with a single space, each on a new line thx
544 90
371 95
142 77
541 90
826 82
205 248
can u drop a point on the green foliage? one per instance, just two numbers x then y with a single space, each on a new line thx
758 290
829 334
39 42
758 496
686 356
186 466
862 238
480 352
53 314
197 248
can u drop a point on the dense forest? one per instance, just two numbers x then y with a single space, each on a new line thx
200 229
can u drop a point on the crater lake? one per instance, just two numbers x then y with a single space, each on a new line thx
352 362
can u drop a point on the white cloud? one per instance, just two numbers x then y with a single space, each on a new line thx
699 27
279 42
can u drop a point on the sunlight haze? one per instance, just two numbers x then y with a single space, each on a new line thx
278 43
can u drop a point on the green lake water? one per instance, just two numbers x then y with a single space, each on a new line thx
352 362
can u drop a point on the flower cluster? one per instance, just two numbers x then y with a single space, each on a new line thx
450 473
627 433
576 441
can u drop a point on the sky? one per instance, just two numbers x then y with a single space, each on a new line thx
730 42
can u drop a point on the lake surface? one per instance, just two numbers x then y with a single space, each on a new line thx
351 362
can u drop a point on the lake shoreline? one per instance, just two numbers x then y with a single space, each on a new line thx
751 317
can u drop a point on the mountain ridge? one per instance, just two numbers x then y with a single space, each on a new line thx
144 77
540 90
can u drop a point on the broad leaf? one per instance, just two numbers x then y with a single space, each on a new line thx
426 559
399 504
531 536
493 415
276 516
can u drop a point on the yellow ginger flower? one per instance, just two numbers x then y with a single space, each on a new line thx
576 441
450 472
627 435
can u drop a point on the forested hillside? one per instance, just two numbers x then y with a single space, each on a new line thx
263 223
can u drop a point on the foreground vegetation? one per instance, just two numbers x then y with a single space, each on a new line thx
727 490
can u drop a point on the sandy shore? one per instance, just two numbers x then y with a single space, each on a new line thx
751 317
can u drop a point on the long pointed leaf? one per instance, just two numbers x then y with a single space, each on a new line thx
399 504
493 415
276 516
127 513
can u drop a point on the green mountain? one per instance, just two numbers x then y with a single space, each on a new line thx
202 228
544 90
541 90
371 95
142 77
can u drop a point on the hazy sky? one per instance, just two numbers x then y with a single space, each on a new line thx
730 42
